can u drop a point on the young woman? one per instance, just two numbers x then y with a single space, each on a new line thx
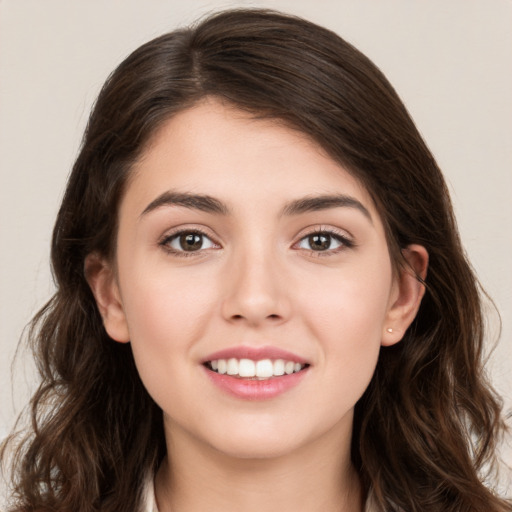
262 301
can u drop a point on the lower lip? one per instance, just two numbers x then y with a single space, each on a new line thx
256 389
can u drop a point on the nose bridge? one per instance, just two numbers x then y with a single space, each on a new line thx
256 291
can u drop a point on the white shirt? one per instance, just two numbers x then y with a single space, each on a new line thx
149 497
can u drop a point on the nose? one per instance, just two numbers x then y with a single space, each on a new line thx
256 291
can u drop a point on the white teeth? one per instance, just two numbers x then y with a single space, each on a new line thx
222 366
232 366
278 367
262 369
246 368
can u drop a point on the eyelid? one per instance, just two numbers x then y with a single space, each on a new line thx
325 228
179 230
342 236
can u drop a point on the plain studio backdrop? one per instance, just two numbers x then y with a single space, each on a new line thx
450 61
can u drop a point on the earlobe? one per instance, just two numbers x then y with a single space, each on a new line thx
103 284
409 289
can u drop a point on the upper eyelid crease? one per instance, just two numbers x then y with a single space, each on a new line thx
345 239
164 242
179 231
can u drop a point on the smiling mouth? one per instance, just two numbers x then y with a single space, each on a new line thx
262 369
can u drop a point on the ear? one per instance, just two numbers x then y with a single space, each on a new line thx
408 290
102 281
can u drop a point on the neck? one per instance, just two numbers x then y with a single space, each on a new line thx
319 477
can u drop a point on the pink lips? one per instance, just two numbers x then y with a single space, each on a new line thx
250 389
256 354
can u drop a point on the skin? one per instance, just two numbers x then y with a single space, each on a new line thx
256 280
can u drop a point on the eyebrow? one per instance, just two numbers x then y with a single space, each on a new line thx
200 202
210 204
325 202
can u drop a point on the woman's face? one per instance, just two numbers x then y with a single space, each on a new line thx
245 253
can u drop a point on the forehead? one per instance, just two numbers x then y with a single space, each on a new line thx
216 149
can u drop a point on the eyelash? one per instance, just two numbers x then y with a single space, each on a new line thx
183 254
343 239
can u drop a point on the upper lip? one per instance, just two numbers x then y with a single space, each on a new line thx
255 353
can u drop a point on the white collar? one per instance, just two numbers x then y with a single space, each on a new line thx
149 496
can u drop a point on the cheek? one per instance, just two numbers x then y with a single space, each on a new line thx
167 302
166 315
347 313
350 301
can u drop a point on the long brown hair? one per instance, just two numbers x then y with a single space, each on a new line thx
428 423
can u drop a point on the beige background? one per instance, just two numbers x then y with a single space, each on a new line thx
450 60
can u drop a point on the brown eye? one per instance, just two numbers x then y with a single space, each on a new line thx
324 241
319 242
188 241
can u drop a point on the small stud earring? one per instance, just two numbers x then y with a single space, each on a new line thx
389 329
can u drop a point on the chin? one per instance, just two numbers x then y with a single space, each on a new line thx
261 440
246 450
